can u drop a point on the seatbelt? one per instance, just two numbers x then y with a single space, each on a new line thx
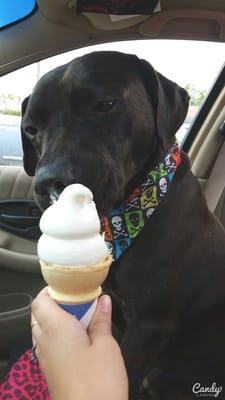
220 209
216 182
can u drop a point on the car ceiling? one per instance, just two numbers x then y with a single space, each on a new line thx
56 27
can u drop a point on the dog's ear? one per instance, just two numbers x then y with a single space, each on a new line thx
30 157
169 100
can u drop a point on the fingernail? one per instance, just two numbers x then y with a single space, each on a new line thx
105 304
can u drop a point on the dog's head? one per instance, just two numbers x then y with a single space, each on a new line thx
99 121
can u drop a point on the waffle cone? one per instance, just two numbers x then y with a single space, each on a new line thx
75 284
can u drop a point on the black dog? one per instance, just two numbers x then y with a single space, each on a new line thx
104 120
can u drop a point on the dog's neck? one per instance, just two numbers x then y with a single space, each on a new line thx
127 220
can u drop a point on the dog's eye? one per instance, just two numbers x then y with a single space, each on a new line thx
30 130
104 105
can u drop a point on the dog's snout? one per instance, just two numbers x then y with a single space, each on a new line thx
49 186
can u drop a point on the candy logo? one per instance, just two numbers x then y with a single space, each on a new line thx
206 391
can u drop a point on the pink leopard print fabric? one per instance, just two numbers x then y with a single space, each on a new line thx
24 381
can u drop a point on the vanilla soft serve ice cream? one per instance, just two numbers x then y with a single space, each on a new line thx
74 257
71 230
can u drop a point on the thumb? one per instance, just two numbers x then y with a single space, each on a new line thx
100 324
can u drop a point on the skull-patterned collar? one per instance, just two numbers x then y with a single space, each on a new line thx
126 221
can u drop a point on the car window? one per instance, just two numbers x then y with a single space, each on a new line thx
193 65
12 11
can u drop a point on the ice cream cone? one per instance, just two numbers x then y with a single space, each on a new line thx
74 284
74 257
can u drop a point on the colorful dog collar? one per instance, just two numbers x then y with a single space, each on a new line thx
127 220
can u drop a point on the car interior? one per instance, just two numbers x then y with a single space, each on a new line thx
54 27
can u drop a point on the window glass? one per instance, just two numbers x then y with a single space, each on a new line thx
193 65
14 10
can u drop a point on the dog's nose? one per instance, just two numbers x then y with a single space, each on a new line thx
51 187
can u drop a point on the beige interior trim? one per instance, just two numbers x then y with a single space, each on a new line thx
15 183
18 254
45 39
19 262
55 28
208 140
176 23
16 244
216 182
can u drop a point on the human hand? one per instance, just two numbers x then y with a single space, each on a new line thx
78 364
